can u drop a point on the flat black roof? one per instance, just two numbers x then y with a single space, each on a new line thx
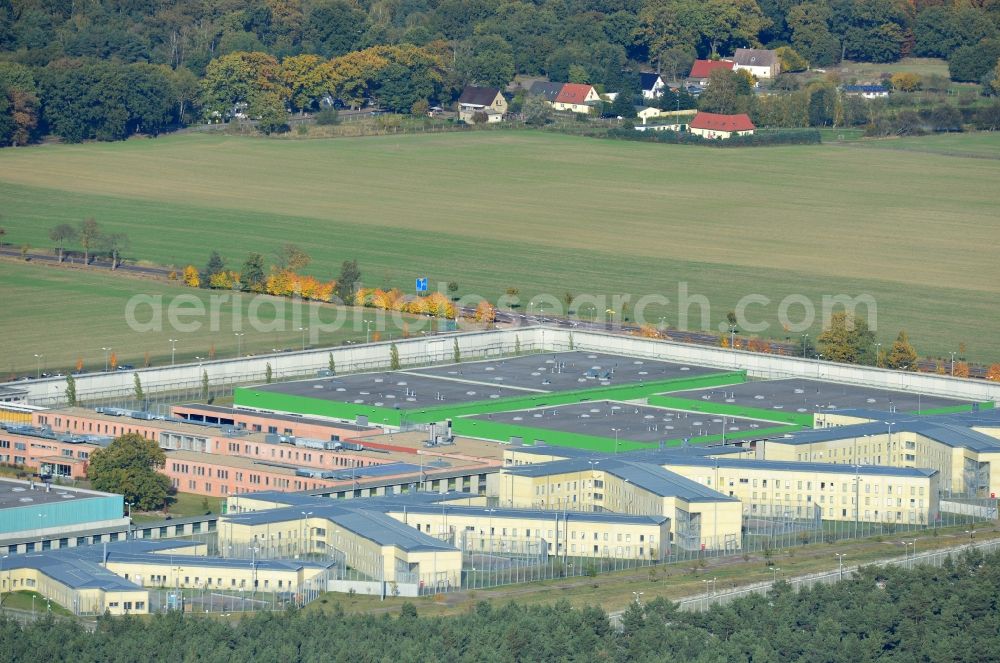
486 380
804 396
404 390
16 494
566 371
636 423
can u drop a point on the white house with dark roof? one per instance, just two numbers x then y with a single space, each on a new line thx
652 85
762 63
485 100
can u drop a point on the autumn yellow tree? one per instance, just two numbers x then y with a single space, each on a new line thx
648 331
993 373
241 77
902 356
486 312
307 78
113 360
191 277
962 369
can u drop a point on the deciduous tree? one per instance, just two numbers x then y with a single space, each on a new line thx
128 466
63 235
848 339
90 234
902 356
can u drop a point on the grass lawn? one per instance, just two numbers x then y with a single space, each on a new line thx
545 213
923 66
958 145
186 504
22 600
66 314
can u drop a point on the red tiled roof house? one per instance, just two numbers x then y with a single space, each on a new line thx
716 126
702 69
576 97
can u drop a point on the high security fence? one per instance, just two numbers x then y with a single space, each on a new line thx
702 602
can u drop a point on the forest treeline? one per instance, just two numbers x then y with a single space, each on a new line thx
107 69
925 614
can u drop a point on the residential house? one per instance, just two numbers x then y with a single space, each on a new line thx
546 90
652 85
716 126
761 63
576 97
702 69
866 91
485 100
646 113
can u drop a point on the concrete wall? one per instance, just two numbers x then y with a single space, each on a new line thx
249 370
485 344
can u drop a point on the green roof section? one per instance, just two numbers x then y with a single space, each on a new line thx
277 401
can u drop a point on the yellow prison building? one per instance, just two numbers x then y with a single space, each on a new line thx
960 447
698 517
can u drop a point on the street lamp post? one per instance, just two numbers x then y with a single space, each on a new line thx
305 528
239 343
38 365
41 538
173 349
774 575
637 595
840 559
106 351
878 355
952 363
368 330
303 330
805 342
616 431
911 551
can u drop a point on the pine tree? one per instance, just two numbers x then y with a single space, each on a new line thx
393 357
332 365
139 394
268 373
457 352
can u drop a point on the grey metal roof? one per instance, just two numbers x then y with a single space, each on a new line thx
546 90
666 483
647 475
541 514
755 57
953 430
818 468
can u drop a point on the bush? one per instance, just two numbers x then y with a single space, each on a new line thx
799 137
327 117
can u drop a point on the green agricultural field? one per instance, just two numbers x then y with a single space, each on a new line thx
66 314
547 214
922 66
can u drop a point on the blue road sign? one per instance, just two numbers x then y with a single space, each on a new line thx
422 284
